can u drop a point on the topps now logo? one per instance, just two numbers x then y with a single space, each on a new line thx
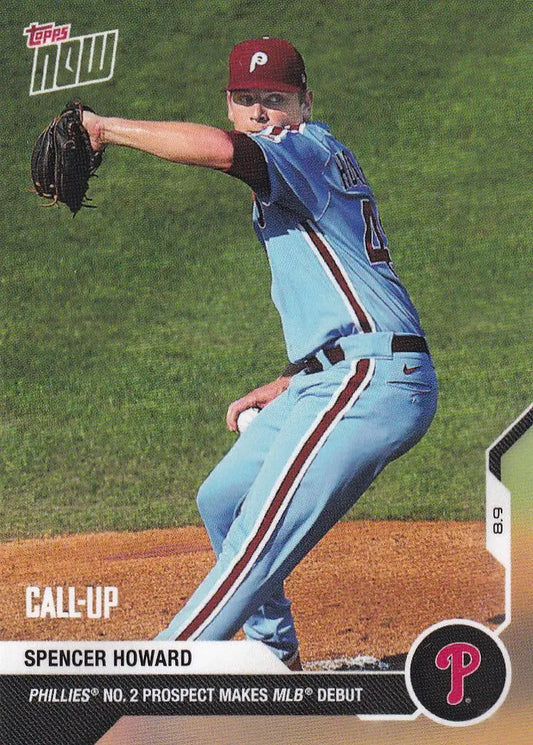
64 61
458 672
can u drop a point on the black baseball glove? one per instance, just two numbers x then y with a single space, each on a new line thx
63 160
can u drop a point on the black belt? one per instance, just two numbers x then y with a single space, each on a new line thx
400 343
404 343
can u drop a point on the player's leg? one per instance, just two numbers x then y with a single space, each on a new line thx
219 501
273 624
419 395
338 436
220 496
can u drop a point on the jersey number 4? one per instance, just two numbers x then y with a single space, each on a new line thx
375 242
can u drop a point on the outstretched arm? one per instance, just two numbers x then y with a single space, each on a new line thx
181 142
195 145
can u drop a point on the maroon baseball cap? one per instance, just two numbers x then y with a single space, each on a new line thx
266 64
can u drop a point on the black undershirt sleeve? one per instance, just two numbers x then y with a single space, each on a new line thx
249 164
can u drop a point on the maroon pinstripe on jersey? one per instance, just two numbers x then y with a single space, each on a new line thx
340 279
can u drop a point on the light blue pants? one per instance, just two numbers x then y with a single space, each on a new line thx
301 464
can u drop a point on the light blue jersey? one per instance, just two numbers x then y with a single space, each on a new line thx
364 394
332 274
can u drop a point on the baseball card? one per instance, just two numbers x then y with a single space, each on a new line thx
266 443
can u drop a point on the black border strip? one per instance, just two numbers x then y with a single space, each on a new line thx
507 440
74 709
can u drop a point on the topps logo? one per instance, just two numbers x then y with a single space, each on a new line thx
48 33
61 61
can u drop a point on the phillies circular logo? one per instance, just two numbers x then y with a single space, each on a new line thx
458 672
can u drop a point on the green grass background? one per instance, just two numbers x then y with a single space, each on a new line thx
126 331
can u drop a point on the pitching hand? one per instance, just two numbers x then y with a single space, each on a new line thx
259 397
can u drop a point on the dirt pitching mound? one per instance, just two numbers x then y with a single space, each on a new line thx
368 588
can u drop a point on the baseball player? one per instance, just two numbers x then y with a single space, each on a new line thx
360 389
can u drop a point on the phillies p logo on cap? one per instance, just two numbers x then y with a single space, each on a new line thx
259 58
266 64
458 672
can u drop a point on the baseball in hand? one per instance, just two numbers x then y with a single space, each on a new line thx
246 417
